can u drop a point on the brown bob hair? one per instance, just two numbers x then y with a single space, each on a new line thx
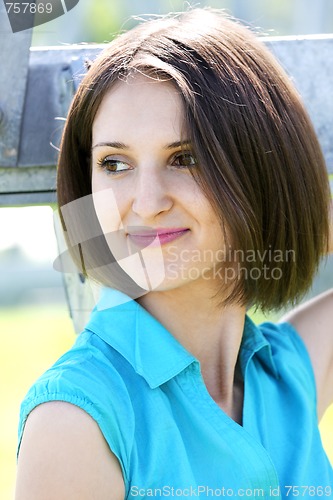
259 161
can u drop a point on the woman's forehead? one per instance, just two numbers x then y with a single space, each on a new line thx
138 105
139 83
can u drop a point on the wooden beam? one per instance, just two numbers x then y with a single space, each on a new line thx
14 57
53 75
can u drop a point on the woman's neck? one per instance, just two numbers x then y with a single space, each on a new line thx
210 332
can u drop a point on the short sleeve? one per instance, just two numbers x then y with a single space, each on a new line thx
85 377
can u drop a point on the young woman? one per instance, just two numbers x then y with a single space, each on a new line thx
192 186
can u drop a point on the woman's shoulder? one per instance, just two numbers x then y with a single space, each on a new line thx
58 454
283 335
86 376
290 355
81 372
285 342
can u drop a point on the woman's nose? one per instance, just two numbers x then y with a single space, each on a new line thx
151 195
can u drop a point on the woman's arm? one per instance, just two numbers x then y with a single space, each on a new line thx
313 321
63 455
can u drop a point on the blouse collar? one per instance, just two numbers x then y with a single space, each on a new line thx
150 348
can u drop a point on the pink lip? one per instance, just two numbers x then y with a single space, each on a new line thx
143 239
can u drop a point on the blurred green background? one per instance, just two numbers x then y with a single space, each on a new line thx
97 21
35 327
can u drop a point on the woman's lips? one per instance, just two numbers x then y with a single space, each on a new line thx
155 238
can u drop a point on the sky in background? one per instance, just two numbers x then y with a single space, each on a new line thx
31 229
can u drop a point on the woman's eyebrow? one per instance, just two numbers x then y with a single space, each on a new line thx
115 145
178 144
121 145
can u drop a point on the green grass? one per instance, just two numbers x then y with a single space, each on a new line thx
31 340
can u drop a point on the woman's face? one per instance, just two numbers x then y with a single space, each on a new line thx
158 223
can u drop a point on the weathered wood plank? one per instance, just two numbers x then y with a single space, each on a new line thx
27 186
14 57
309 63
28 179
24 199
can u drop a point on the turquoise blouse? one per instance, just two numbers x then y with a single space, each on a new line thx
146 393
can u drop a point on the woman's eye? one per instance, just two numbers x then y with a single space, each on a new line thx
112 166
184 160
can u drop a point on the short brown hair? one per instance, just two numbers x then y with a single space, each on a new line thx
259 161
